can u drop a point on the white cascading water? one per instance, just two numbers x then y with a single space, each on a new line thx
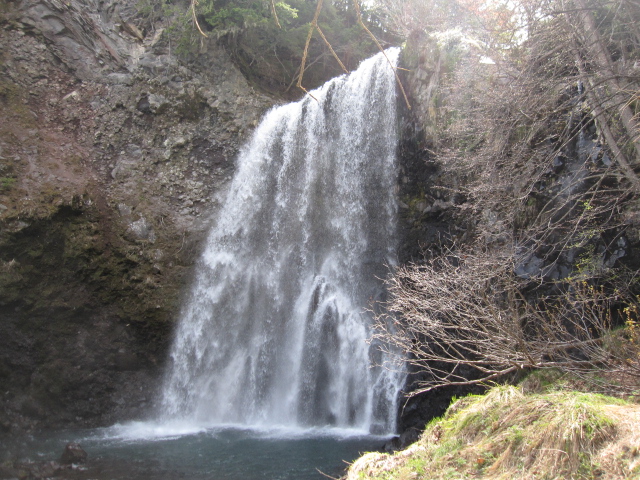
275 329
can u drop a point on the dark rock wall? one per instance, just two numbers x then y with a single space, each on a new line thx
429 197
429 193
113 153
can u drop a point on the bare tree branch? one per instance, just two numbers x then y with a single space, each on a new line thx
194 17
274 13
455 312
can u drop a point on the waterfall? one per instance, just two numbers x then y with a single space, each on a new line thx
275 328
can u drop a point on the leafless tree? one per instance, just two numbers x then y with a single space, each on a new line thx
462 320
535 282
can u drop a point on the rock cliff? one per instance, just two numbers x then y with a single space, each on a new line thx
111 151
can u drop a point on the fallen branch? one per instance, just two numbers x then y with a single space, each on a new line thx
195 17
313 26
361 23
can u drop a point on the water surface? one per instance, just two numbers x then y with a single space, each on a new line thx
145 451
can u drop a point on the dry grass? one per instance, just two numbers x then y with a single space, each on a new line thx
506 434
620 458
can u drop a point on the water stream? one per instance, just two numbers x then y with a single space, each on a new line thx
275 331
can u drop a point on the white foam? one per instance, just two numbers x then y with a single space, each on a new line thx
151 430
159 431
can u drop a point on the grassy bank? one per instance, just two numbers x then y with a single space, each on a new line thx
507 434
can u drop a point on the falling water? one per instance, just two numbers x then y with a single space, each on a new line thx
275 328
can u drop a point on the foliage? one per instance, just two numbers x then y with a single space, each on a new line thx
6 183
267 48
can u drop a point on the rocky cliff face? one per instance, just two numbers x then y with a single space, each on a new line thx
430 197
112 155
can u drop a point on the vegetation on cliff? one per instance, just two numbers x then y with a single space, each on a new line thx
527 221
532 113
267 39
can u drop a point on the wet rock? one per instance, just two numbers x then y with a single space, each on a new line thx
73 454
31 408
392 445
124 361
31 470
409 436
119 79
47 470
141 230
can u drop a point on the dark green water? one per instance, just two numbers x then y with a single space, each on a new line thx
142 452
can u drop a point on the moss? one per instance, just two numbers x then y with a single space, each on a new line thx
11 279
6 183
414 213
543 381
507 434
192 107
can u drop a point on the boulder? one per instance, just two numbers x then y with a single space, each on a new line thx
409 436
73 454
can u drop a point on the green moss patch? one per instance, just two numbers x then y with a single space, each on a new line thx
507 434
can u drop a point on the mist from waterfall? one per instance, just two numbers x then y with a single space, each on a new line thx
275 329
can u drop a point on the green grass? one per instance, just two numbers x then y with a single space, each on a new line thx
507 434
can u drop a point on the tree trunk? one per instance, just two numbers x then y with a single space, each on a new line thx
598 53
